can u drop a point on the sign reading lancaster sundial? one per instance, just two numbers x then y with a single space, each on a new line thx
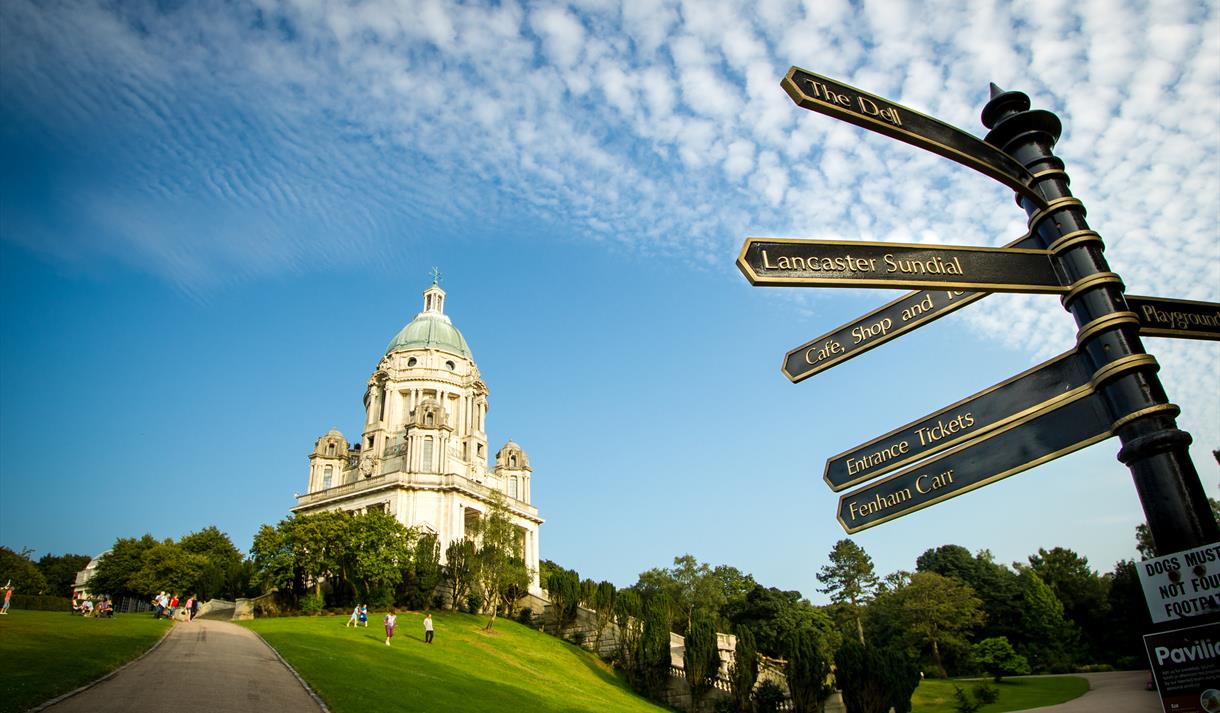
827 96
849 263
891 320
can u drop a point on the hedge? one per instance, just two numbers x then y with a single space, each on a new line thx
40 602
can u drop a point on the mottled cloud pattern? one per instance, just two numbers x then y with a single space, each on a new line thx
303 133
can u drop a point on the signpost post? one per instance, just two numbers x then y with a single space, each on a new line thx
1109 383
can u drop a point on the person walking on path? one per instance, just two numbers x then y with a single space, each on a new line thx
391 621
364 615
428 629
354 618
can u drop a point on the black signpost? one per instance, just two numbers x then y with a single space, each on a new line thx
1106 386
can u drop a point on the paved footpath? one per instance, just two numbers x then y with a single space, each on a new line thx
1113 692
201 667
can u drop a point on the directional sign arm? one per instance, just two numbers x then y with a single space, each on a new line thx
832 98
787 262
1019 446
1034 390
887 322
1186 319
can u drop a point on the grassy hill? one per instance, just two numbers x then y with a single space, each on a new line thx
513 668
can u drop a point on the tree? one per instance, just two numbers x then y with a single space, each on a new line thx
117 570
850 580
60 572
936 610
272 555
222 569
603 605
1127 617
461 569
500 565
654 659
17 569
998 658
771 615
744 670
167 567
318 545
423 573
1078 587
563 586
809 658
376 551
1048 636
874 680
628 612
701 657
995 584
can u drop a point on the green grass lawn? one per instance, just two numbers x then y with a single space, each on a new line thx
45 654
513 668
1016 694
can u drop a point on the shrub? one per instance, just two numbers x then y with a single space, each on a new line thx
311 604
526 616
986 694
40 602
998 658
768 697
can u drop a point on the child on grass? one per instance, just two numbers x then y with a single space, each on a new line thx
390 622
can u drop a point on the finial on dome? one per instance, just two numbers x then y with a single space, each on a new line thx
436 275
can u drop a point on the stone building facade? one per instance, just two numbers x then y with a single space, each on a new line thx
423 454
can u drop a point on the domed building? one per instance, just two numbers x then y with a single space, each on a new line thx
423 454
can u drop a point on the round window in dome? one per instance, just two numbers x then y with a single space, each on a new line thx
451 365
412 361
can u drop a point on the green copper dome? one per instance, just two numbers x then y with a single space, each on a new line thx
430 331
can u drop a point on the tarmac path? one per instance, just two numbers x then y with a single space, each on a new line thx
203 666
1112 692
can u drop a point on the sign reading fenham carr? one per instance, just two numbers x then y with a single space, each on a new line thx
1037 389
891 320
1186 319
787 262
840 101
1020 445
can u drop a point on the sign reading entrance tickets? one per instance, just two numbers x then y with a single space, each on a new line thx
1182 584
1186 668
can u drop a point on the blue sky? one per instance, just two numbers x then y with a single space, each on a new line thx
214 217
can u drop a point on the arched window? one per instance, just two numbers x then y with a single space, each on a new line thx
327 475
330 449
512 460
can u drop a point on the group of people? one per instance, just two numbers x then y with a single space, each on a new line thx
87 606
360 615
166 605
